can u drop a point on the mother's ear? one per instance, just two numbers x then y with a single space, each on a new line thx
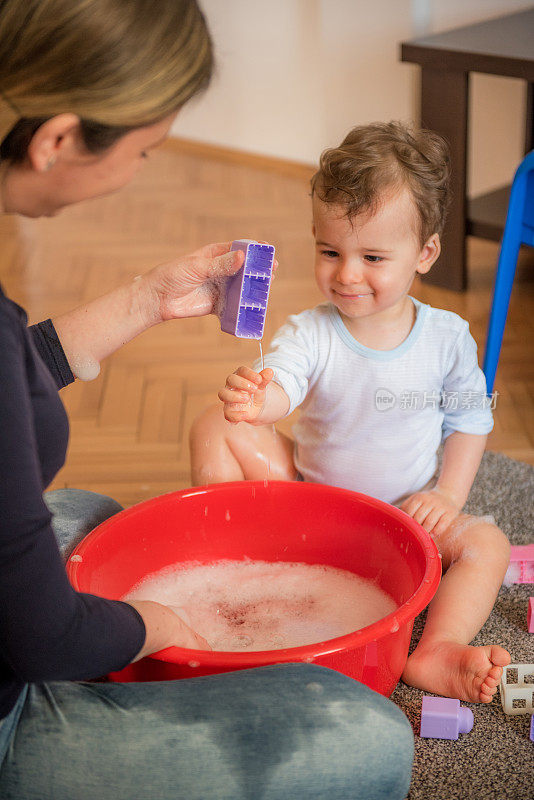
58 137
429 254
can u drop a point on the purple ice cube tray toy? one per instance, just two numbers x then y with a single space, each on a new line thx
247 292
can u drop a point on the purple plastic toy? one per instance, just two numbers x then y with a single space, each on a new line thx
444 718
532 728
247 291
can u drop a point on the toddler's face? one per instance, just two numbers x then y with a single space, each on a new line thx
366 265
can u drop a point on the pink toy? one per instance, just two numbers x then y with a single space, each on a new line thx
521 568
444 718
530 615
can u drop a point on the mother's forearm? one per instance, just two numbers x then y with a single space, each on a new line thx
95 330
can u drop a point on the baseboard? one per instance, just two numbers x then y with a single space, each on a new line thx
282 166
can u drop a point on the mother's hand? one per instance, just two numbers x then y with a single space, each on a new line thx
165 628
190 286
187 287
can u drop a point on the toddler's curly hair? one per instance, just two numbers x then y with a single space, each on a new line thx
387 155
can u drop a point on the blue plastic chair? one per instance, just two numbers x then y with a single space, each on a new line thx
518 230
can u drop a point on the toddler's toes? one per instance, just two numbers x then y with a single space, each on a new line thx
499 656
487 689
490 682
495 674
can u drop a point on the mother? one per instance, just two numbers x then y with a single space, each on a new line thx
87 88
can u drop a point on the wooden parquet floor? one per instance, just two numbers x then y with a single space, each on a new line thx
129 427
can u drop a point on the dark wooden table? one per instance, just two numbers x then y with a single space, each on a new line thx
502 46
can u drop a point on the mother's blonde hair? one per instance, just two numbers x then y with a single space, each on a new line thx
117 64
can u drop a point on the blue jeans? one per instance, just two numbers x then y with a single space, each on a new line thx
280 732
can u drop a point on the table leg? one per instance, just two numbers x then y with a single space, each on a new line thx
444 98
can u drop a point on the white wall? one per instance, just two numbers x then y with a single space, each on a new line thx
267 95
295 75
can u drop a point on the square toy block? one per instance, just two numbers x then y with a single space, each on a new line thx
522 690
444 718
521 567
530 615
247 292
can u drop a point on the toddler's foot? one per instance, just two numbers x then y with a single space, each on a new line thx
457 670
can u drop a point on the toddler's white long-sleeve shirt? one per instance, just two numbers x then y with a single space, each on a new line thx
372 420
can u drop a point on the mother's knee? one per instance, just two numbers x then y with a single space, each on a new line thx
366 740
75 512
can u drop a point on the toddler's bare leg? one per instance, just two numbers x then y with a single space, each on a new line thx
223 452
475 555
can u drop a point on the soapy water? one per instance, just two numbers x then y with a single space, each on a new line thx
260 605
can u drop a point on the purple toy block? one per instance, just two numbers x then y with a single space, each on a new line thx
247 291
530 615
532 728
521 567
444 718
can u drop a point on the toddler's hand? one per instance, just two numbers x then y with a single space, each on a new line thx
434 510
244 394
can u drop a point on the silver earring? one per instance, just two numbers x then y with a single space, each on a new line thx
50 163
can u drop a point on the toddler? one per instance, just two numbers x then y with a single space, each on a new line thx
381 380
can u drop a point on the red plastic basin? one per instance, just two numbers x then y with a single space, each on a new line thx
266 521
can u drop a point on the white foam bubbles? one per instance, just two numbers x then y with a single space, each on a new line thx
258 605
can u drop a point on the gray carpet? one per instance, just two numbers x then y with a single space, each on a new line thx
496 760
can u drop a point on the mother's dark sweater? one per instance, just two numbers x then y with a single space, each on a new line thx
47 630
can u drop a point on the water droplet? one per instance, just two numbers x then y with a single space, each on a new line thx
316 688
394 627
194 664
309 660
227 516
76 558
206 511
303 537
